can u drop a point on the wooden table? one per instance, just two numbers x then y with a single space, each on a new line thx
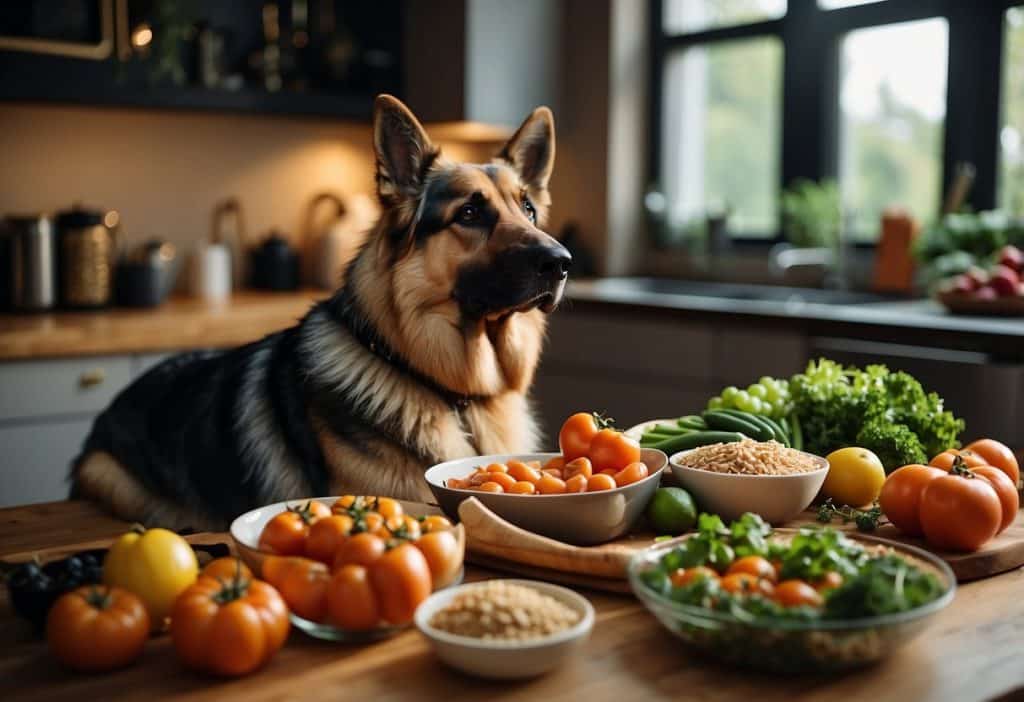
971 651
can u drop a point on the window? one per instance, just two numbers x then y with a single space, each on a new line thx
1011 133
721 116
887 97
695 15
891 120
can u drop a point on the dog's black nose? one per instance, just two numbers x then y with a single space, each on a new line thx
551 261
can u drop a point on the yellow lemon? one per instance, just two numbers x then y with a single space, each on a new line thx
855 477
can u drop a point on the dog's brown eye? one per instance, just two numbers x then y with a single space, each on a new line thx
468 214
530 211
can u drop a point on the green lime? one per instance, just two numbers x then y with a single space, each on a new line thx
671 511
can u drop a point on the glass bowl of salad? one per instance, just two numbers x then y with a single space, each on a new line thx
790 600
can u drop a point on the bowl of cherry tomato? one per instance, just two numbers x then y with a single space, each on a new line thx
351 568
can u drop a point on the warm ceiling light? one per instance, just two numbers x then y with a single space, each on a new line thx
141 36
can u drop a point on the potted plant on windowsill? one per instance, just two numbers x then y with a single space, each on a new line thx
810 224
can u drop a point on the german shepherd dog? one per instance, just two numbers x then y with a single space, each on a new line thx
426 353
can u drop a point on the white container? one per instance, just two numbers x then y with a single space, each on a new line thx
211 272
506 660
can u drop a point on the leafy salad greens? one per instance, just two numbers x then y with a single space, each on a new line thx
872 584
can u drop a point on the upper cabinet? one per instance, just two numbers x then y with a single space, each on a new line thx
299 57
487 62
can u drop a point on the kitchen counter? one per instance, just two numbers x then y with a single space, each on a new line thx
180 323
968 652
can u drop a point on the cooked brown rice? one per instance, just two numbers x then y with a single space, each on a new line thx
749 457
498 610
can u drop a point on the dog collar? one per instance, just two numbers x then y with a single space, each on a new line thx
344 311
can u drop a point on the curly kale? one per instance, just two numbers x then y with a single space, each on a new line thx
894 444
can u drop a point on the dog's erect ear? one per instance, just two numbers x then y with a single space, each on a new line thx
403 149
531 150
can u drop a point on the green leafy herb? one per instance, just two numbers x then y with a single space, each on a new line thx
865 519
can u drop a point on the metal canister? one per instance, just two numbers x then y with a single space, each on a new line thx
29 262
86 257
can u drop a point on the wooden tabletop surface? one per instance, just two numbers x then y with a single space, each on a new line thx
970 651
180 323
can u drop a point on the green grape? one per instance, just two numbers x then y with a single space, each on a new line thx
716 403
730 394
767 380
747 403
758 391
772 394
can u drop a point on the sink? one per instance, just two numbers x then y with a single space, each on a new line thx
736 291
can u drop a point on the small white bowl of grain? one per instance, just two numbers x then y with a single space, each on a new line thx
505 629
763 477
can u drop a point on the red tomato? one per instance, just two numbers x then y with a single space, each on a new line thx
947 458
746 584
401 579
326 535
794 593
576 434
601 481
900 497
829 581
1009 498
685 576
351 600
633 473
960 512
997 455
612 450
753 565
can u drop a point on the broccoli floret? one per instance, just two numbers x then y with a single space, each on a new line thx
894 444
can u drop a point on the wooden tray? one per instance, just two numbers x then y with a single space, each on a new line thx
965 304
492 542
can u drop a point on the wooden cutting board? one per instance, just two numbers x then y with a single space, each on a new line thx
495 543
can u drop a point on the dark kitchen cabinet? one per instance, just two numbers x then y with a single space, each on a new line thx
330 57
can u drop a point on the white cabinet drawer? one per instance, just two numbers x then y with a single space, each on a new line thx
36 460
30 389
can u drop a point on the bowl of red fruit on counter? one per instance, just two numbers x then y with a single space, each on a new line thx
999 290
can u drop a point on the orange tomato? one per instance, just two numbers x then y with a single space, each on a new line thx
829 581
361 549
456 484
491 486
523 487
794 593
371 521
326 535
553 472
496 468
633 473
522 472
401 579
351 600
434 522
505 480
684 576
577 483
578 466
900 498
947 458
753 565
576 434
534 464
96 628
601 481
550 485
556 463
302 583
388 507
997 455
480 477
612 450
441 549
285 534
226 568
746 584
229 629
1006 491
960 511
403 527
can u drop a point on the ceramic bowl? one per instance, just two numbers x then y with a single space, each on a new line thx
506 659
584 518
777 498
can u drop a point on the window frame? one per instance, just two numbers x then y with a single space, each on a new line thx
810 38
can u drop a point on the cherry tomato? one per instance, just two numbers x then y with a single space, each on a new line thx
491 486
829 581
746 584
550 485
753 565
96 628
361 549
578 466
226 568
302 583
285 534
351 600
794 593
444 557
633 473
576 434
601 481
523 487
401 527
556 463
900 497
685 576
388 507
505 480
401 579
997 455
522 472
960 512
496 468
434 522
612 450
577 483
326 535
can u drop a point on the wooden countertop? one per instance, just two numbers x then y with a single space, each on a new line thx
180 323
970 651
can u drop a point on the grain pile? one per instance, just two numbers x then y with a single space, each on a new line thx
504 611
749 457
